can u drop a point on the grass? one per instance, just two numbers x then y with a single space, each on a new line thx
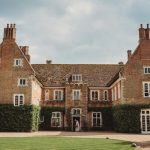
62 143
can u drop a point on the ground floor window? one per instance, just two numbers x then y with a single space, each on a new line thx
96 119
56 119
145 121
18 99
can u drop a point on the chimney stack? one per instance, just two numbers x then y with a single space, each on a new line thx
141 33
147 32
10 32
48 61
129 53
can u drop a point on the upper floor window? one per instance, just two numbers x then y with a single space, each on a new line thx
46 94
147 70
76 111
22 82
146 89
77 77
76 94
18 62
105 95
56 119
96 119
94 95
18 99
58 95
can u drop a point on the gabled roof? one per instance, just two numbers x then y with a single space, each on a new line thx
92 74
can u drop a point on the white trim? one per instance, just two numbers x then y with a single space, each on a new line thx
54 95
19 101
101 121
75 77
19 81
53 87
60 117
104 95
20 62
91 95
145 121
148 69
77 114
76 90
144 88
46 95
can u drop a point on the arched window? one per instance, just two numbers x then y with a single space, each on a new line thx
105 95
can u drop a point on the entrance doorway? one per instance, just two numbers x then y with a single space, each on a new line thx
76 116
145 121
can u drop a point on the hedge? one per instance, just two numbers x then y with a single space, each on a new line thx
127 118
107 118
46 112
21 119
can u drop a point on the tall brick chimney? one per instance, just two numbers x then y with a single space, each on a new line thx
129 53
141 33
144 33
10 32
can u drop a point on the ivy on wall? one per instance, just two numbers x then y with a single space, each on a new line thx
22 119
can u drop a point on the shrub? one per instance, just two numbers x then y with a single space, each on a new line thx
127 118
21 119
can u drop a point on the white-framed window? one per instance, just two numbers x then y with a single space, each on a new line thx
146 89
96 119
18 99
76 111
115 93
94 95
18 62
76 94
119 91
41 119
147 70
46 94
77 77
56 119
58 95
105 95
22 82
112 94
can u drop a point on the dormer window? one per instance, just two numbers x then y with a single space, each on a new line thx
17 62
77 77
147 70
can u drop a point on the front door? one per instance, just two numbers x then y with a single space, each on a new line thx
74 120
145 121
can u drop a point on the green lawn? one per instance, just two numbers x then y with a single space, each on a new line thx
62 143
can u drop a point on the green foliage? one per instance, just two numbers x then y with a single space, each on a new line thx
21 119
107 119
46 112
127 118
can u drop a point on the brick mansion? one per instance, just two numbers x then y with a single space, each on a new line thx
76 92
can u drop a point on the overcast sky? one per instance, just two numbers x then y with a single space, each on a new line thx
76 31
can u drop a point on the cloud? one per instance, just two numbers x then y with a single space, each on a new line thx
76 31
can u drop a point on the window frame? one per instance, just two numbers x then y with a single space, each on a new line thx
54 98
101 121
60 118
18 62
148 90
98 94
19 82
106 96
76 77
20 102
47 94
146 68
73 95
76 109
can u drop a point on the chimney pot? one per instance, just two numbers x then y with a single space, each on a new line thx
141 25
129 52
147 26
7 25
48 61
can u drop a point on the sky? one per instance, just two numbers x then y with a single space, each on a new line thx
76 31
